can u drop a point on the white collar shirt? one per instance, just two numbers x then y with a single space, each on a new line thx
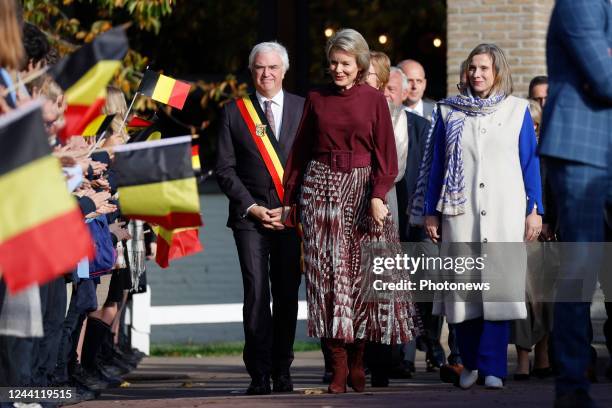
277 110
418 109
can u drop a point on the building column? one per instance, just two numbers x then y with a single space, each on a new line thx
517 26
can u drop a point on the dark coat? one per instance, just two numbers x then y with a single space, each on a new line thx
240 170
578 113
418 128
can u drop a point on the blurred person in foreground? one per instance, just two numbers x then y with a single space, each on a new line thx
21 320
575 144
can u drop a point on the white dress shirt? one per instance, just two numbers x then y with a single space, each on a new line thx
277 110
418 109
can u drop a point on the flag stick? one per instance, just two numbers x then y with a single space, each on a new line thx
108 150
97 144
25 80
94 148
128 111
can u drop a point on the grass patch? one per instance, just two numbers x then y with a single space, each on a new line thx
232 348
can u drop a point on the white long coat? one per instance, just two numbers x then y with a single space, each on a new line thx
494 212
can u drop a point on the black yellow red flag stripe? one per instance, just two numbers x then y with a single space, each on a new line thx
164 89
174 244
137 124
84 75
195 158
97 126
257 128
156 182
42 232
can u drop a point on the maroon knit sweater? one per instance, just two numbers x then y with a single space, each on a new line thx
355 120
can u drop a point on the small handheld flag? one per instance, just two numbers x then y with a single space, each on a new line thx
137 123
174 244
42 233
97 126
195 158
84 75
164 89
156 182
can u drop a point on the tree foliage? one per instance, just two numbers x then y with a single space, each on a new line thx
70 23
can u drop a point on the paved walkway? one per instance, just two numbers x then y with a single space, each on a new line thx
221 381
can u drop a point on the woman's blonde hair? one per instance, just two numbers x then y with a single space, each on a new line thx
116 104
503 77
12 53
382 65
46 86
349 40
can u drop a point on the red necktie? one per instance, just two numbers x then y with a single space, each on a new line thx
270 116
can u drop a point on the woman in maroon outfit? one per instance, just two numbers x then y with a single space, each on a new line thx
342 164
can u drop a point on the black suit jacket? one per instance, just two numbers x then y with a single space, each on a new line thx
241 172
418 128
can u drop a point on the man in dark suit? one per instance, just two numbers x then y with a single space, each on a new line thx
254 140
575 141
417 82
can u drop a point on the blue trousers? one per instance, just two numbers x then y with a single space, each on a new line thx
483 345
580 192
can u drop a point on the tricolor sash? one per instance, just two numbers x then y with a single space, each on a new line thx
268 148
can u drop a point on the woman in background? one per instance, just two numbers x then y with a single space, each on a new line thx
380 68
20 314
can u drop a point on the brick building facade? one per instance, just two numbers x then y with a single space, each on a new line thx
517 26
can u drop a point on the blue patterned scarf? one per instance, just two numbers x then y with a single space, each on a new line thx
452 197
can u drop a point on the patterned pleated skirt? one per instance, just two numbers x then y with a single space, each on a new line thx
337 225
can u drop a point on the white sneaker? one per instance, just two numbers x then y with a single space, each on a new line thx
467 378
493 383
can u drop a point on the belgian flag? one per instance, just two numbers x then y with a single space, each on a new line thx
164 89
42 232
156 182
195 158
166 126
174 244
136 124
99 125
84 75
